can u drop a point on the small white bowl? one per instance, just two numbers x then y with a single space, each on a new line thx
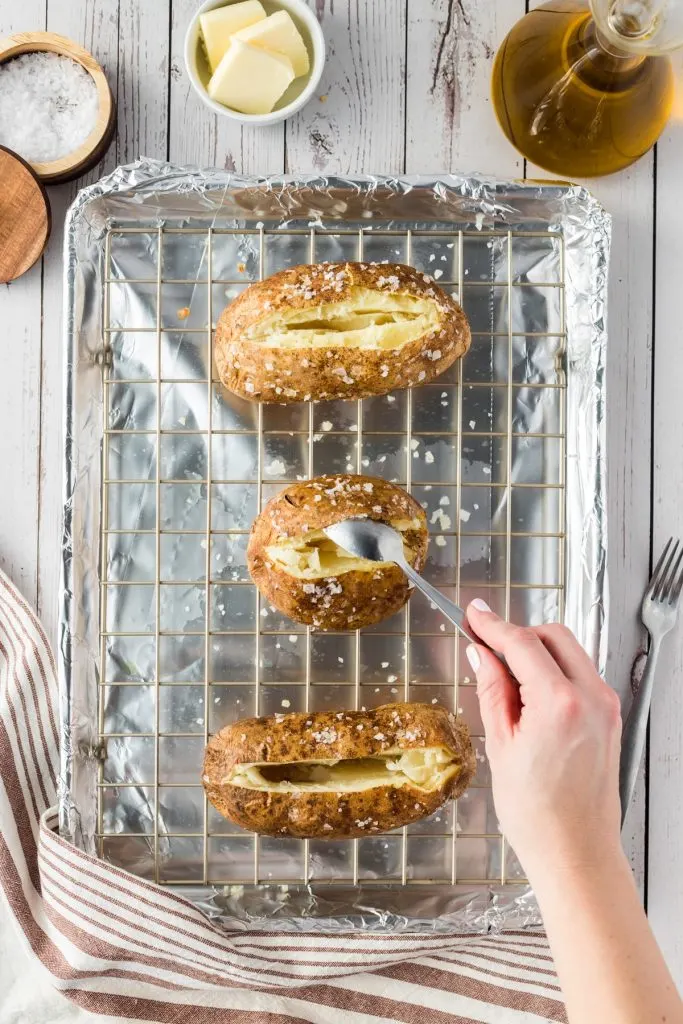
301 89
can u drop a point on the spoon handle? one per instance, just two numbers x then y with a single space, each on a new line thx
451 610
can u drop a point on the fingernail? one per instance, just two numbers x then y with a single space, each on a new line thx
473 657
480 605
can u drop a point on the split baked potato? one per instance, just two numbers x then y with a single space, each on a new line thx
332 775
338 330
312 580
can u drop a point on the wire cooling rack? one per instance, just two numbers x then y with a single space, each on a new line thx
188 645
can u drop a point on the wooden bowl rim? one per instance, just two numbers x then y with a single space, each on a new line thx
50 42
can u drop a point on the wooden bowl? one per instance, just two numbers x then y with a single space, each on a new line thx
92 150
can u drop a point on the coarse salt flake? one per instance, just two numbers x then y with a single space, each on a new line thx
325 736
48 106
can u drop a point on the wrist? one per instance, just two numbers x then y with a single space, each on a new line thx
575 863
580 871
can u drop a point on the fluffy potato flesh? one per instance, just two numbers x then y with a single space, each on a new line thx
425 768
365 319
314 556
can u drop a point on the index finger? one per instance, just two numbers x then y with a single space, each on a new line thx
534 667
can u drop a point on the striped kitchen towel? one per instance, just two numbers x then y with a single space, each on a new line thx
125 948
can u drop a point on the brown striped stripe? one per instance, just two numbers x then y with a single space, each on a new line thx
482 954
520 949
42 946
28 641
15 798
175 1013
491 992
97 946
29 732
15 595
381 1006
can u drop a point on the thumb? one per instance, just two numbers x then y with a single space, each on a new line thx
498 694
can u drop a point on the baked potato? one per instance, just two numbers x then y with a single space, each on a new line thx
312 580
332 775
338 330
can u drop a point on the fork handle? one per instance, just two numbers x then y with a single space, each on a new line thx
635 730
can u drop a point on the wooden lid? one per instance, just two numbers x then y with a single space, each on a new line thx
24 217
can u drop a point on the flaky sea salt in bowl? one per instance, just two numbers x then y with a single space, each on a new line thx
56 108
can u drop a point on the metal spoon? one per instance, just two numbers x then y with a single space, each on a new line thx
378 542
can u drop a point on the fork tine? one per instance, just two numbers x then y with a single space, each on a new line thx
668 583
667 574
654 579
676 580
663 569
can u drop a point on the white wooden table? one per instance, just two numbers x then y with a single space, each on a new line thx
406 89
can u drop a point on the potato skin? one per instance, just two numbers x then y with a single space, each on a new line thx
328 735
302 375
352 599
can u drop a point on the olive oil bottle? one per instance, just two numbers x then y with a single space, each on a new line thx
571 100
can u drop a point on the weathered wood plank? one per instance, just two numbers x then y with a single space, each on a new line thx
197 136
134 52
450 121
629 197
356 122
665 848
21 309
143 80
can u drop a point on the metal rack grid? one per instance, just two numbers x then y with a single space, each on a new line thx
185 841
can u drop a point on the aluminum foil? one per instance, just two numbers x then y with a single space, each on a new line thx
508 460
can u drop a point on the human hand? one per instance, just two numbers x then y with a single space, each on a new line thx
552 741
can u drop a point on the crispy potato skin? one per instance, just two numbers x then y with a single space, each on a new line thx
331 372
352 599
326 735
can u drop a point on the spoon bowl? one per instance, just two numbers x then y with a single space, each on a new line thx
364 538
378 542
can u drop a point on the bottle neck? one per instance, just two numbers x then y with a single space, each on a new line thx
640 26
596 58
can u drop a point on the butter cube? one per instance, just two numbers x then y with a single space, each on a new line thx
249 79
279 34
220 24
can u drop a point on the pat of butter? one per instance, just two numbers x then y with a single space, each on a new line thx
219 25
249 79
279 34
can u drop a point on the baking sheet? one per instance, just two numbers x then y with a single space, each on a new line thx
163 639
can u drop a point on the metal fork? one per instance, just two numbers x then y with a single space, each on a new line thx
659 612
